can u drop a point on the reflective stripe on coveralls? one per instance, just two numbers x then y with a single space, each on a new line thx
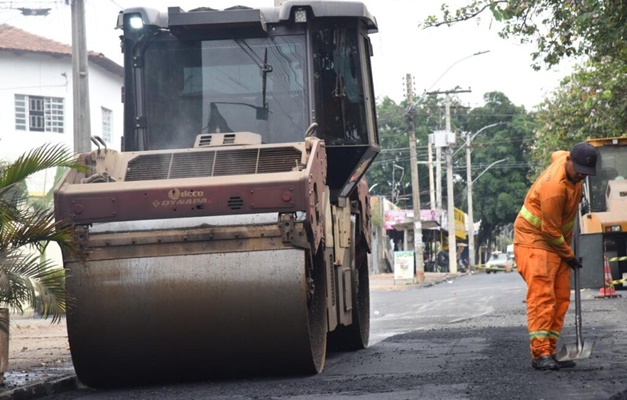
537 222
538 334
544 334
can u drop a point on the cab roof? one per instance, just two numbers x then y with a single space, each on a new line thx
270 15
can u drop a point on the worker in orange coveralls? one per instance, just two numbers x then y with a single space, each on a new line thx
542 235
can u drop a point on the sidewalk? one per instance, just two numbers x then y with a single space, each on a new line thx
386 282
39 356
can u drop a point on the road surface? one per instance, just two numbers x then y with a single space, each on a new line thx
461 339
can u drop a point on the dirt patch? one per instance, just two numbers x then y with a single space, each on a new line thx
38 350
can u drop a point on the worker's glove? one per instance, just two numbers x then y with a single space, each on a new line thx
574 263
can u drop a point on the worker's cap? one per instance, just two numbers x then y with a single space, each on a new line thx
584 158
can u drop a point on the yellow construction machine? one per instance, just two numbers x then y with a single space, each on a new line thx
601 237
230 235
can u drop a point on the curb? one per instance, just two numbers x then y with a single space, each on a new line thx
389 284
40 389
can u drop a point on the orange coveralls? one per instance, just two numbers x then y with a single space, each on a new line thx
542 234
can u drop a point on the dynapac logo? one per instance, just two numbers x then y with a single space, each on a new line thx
182 198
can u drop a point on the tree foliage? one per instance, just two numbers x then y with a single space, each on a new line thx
499 192
590 103
428 113
395 150
560 28
25 277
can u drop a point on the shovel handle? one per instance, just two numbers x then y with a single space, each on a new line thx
578 311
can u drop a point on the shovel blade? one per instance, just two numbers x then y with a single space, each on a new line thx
574 352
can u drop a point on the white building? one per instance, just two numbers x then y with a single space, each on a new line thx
36 92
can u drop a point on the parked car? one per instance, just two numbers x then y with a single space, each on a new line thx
511 261
499 262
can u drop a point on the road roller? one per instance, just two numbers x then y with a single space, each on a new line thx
229 235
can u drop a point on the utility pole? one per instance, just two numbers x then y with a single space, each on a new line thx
415 191
433 205
471 221
469 182
450 210
80 79
438 177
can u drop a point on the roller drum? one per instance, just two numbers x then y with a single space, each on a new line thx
189 317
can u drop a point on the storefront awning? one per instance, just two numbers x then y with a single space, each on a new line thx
410 225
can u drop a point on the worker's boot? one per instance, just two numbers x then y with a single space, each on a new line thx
545 363
565 364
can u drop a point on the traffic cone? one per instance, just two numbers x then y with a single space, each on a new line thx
608 288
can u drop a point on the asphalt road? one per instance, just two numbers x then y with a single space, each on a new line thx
462 339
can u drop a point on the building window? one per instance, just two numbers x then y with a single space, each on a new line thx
39 113
107 125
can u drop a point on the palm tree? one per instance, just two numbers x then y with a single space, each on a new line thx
26 278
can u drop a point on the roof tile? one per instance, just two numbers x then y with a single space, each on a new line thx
19 41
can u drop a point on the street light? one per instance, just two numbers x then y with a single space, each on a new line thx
455 63
487 168
438 151
470 181
469 140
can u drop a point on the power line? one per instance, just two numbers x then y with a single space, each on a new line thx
475 166
116 4
402 149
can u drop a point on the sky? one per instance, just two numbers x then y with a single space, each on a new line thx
437 58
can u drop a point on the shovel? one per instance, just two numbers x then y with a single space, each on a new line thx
580 349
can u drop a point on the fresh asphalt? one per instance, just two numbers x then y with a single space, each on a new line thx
464 338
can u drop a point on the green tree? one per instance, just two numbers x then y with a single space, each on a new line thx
499 193
591 28
394 143
26 278
393 137
590 103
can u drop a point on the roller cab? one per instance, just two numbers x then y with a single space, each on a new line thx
230 235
